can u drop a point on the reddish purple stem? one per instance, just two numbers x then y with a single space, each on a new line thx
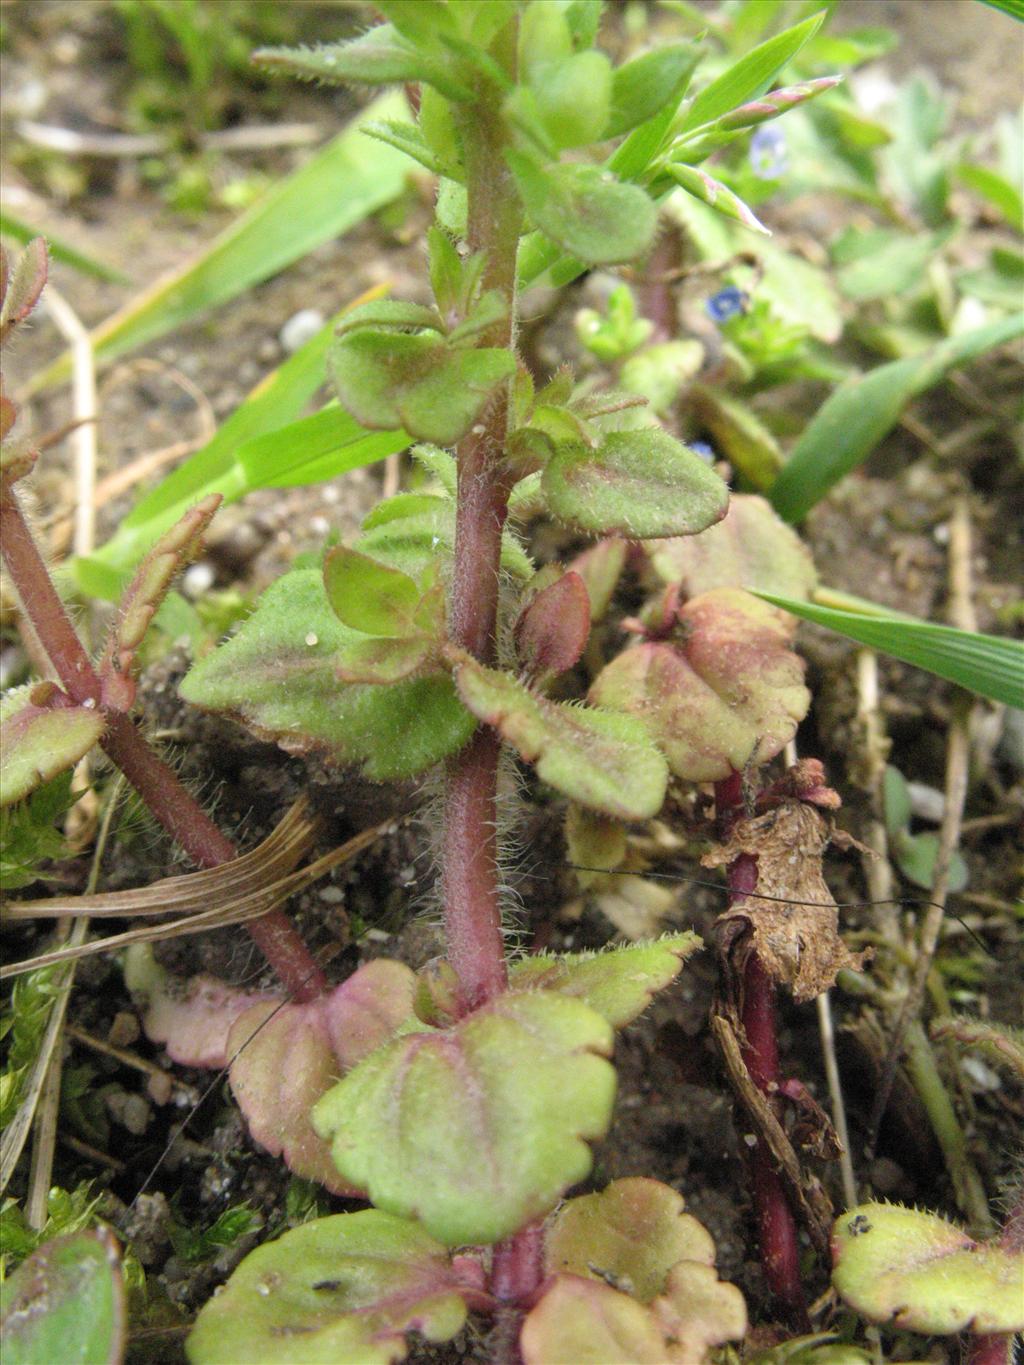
174 807
776 1226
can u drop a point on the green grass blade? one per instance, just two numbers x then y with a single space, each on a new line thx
346 180
13 226
862 411
990 665
751 75
329 443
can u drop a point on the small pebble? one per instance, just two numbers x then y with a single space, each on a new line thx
197 579
981 1074
927 803
332 895
300 328
124 1030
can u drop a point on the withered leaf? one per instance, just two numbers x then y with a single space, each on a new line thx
796 932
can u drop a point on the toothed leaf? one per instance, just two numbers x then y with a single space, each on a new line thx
641 483
729 693
634 1230
585 210
916 1271
589 755
479 1128
278 676
344 1290
751 547
416 382
619 984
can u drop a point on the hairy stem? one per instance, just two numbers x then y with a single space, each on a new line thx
175 808
776 1225
469 874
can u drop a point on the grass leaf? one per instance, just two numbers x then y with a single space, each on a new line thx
863 410
60 250
340 185
990 665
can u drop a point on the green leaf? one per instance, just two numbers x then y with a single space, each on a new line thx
66 1302
407 138
573 98
28 837
416 382
277 676
997 190
739 433
477 1129
751 76
632 1232
381 56
751 547
237 459
716 195
369 596
914 1271
990 665
602 759
389 313
38 742
313 450
855 419
730 693
641 483
883 263
339 186
59 250
643 86
618 983
586 210
343 1290
916 855
896 801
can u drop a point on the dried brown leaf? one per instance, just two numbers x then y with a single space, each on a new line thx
795 929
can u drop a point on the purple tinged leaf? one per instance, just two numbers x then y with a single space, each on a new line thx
601 567
140 601
751 547
713 193
587 754
777 102
22 286
916 1271
552 629
476 1129
191 1019
587 1320
729 693
284 1058
38 742
345 1289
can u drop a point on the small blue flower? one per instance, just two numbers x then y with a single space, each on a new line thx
702 449
726 304
768 154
